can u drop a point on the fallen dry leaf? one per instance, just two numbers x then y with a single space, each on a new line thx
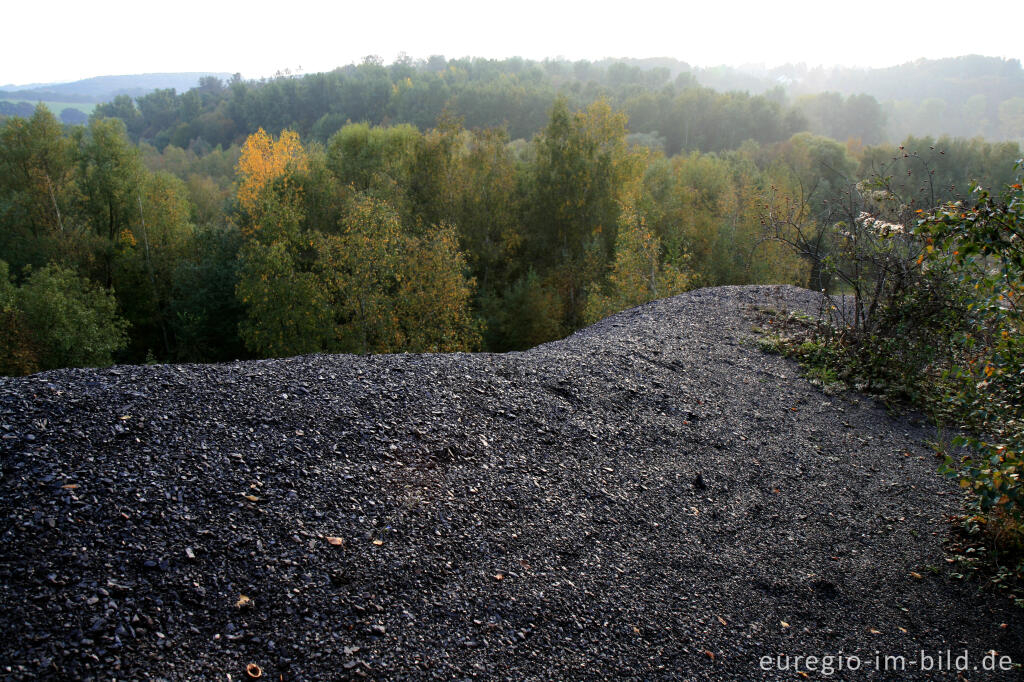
783 623
251 498
709 654
499 576
874 631
378 542
243 601
721 620
337 542
915 575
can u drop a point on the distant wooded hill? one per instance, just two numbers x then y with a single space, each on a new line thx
669 102
105 88
961 96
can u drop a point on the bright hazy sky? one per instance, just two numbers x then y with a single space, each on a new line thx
65 41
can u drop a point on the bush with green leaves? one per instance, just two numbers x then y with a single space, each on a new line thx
932 312
982 243
888 317
58 319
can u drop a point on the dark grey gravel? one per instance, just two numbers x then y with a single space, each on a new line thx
651 498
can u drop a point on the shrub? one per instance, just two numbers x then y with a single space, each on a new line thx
983 245
18 353
892 316
934 315
72 321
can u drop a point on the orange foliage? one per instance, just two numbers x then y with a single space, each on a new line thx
263 161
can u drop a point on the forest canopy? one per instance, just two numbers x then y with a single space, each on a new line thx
423 206
685 108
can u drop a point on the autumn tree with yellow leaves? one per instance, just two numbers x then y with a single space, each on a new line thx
359 280
263 162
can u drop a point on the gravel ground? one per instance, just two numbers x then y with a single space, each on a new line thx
651 498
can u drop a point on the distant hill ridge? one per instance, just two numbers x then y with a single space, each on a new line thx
105 88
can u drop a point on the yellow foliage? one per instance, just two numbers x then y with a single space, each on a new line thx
264 160
127 238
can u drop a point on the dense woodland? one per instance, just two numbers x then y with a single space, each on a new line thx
684 108
968 96
431 206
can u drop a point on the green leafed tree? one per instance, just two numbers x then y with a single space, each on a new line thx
583 168
524 314
146 255
397 291
35 174
108 172
68 321
639 272
433 297
289 311
19 353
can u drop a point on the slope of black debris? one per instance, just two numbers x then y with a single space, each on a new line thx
651 498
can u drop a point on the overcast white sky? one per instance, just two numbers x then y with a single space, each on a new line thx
64 41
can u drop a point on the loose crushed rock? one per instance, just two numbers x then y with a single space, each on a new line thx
651 498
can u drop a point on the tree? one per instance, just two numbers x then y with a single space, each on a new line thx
122 107
72 322
583 167
487 213
108 173
35 176
639 273
434 294
19 354
289 310
146 255
863 119
205 312
373 160
1011 118
263 161
397 291
524 314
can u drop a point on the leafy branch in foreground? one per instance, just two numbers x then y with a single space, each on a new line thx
982 245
